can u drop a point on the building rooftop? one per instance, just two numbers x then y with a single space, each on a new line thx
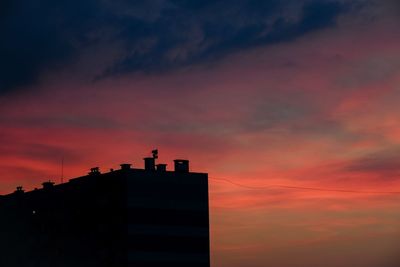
180 166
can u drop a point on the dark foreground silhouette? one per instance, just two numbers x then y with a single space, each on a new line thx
126 217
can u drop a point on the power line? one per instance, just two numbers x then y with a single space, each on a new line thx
303 188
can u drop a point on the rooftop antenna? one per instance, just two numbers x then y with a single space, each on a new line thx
62 170
155 153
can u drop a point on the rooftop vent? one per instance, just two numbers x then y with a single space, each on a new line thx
125 166
19 190
181 165
47 185
94 171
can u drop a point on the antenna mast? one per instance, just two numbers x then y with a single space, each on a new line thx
62 170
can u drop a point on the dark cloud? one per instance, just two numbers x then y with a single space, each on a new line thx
189 33
385 163
154 35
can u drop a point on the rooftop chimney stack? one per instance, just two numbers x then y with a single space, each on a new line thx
94 171
48 185
181 165
19 190
149 164
125 166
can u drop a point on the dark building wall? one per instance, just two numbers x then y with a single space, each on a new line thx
127 217
168 220
74 224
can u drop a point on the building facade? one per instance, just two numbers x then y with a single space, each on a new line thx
127 217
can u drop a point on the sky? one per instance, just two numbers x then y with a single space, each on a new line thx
273 99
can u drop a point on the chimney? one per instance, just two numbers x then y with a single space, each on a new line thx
19 190
149 164
161 167
94 171
181 165
125 166
48 185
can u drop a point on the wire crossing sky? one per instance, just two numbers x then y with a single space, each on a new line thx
301 96
303 188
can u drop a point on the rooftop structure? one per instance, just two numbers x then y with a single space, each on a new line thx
128 217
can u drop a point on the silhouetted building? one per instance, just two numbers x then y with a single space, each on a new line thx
127 217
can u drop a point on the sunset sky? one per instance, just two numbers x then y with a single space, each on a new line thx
299 93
